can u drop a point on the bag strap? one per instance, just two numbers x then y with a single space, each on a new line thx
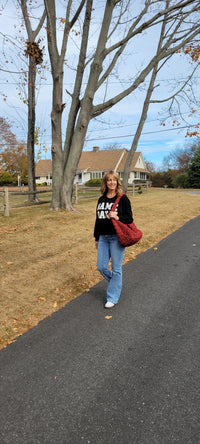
117 201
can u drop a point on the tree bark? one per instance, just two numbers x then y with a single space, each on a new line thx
31 128
75 154
57 153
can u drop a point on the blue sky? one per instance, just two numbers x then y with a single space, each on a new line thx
118 125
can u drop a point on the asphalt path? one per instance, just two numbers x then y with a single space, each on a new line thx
134 378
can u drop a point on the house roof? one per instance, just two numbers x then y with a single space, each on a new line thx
102 160
43 167
133 163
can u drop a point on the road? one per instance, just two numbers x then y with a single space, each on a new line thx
134 378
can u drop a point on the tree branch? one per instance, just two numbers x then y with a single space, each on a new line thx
69 24
153 21
41 22
121 49
180 90
144 109
23 4
76 15
99 109
51 29
79 77
66 30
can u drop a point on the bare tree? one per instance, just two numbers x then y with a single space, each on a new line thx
144 109
119 26
180 159
170 31
35 57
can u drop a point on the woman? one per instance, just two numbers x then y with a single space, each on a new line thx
106 240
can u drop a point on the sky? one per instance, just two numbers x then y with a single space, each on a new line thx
118 125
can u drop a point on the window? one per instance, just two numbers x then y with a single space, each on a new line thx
96 175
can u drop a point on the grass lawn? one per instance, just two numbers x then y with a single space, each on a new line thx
48 258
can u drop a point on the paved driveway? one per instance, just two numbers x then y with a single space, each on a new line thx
135 378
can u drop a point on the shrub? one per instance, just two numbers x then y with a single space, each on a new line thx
165 178
6 179
93 183
24 180
157 179
181 181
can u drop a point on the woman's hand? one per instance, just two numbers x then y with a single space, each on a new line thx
113 215
96 245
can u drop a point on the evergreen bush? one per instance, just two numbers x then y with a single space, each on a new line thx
194 171
93 183
181 181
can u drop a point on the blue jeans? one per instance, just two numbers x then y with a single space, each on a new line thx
109 247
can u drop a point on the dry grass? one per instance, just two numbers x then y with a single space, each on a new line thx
48 258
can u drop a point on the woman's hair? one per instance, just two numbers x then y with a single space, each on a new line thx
104 187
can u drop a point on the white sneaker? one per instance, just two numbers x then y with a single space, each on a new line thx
109 304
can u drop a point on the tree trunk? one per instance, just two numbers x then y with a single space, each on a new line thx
75 153
57 153
31 128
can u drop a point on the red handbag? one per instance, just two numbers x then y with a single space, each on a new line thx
128 234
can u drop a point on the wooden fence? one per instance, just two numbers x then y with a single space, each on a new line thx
79 192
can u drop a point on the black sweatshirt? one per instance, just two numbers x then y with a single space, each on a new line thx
105 226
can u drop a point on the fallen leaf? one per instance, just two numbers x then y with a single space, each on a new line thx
108 317
155 248
55 304
10 263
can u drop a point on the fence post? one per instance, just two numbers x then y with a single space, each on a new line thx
6 201
133 190
76 193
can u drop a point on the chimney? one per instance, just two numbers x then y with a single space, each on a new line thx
95 149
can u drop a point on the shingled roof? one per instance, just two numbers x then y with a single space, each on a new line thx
133 163
103 160
100 160
43 167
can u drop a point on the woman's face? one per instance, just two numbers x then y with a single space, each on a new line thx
111 183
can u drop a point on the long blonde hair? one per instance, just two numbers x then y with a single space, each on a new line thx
104 188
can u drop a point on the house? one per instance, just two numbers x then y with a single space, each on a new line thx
43 172
93 165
